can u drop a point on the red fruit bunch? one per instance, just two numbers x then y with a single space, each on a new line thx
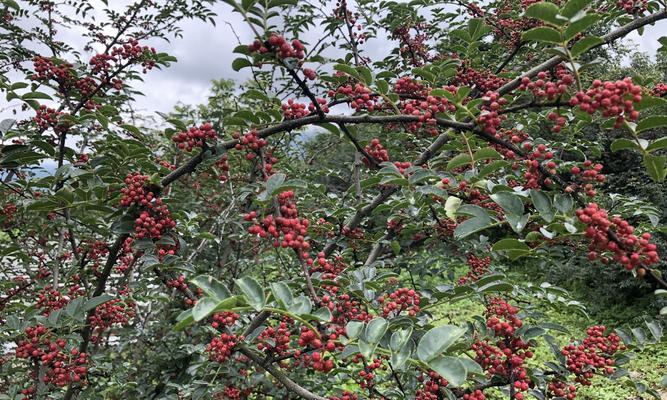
50 299
483 81
489 117
403 299
221 347
195 137
128 52
224 319
432 383
629 250
660 90
288 230
612 99
61 367
632 7
377 151
359 96
46 118
250 141
588 174
115 312
546 86
278 45
558 388
477 268
593 355
538 156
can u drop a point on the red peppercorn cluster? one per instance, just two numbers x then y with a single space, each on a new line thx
632 7
154 222
7 214
342 13
377 151
275 340
46 69
539 155
359 96
221 347
195 137
135 192
223 164
412 46
250 142
507 355
402 166
46 117
403 299
588 174
113 312
280 46
288 229
483 81
346 395
489 117
130 51
309 74
426 109
593 354
50 299
474 395
294 110
558 120
478 267
225 318
558 388
660 90
629 250
432 385
61 367
612 99
126 258
545 86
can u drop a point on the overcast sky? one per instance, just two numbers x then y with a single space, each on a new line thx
205 53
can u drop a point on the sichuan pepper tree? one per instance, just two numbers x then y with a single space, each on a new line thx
211 259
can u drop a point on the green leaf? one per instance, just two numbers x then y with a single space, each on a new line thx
274 183
353 329
399 357
563 202
572 7
458 161
513 247
300 306
542 34
36 95
400 338
655 166
438 340
544 11
282 293
652 122
622 144
252 291
348 70
510 202
375 329
212 287
486 153
585 44
542 204
323 314
96 301
657 144
240 63
204 307
184 319
580 25
450 368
